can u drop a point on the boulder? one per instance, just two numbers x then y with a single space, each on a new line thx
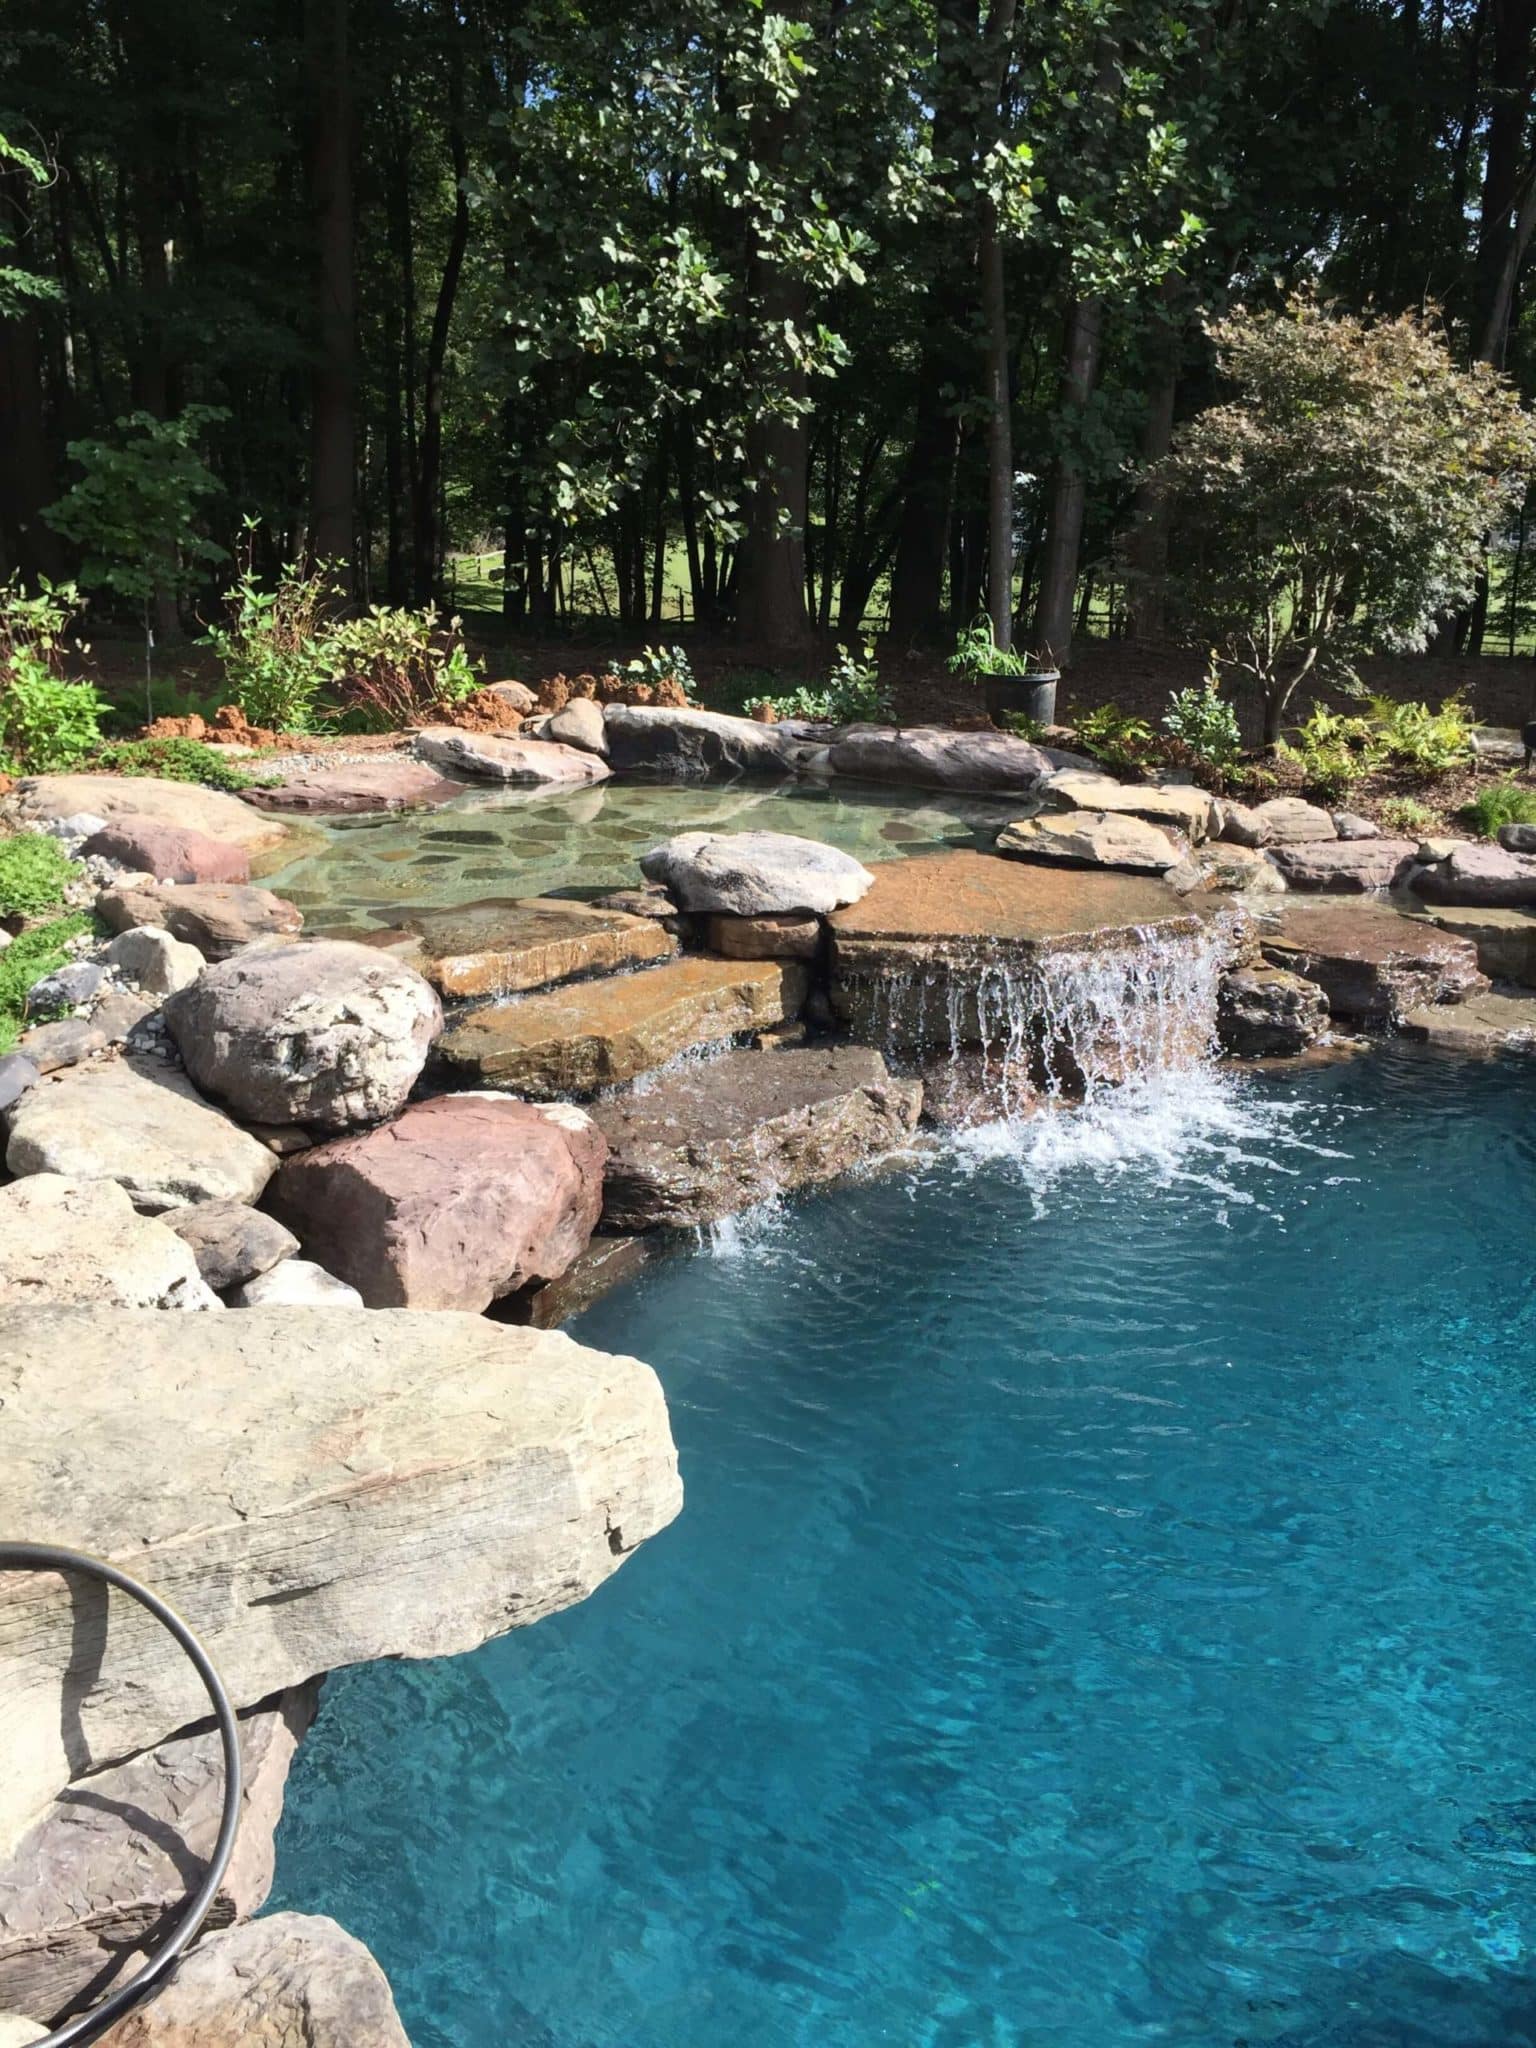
1505 940
66 987
231 1242
292 1980
1091 839
1518 838
506 944
219 918
1349 866
754 874
1282 821
457 1202
188 806
1498 1020
105 1869
151 959
394 783
51 1047
935 757
710 1140
327 1033
1373 964
1350 825
17 2032
64 1240
295 1283
492 757
962 948
1482 876
518 695
1221 869
607 1262
1263 1011
782 935
307 1490
648 900
596 1034
17 1075
171 853
691 746
120 1015
141 1124
73 832
580 723
1179 806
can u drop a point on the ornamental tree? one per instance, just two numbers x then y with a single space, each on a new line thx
1339 500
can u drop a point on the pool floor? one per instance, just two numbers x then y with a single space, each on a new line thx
1102 1614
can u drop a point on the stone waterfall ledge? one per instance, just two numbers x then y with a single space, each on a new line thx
110 1863
308 1490
913 962
294 1980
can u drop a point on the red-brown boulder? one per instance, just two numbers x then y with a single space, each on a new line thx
455 1203
171 853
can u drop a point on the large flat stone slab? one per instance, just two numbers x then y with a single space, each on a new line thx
573 1041
107 1866
1178 805
455 1203
219 918
1091 839
504 945
1488 876
1373 964
1505 939
492 757
308 1489
713 1139
1045 966
394 784
293 1980
1350 867
210 811
935 757
142 1124
1497 1020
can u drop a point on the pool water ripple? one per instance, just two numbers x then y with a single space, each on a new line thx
1101 1615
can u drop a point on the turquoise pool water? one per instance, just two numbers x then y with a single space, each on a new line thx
520 842
1102 1615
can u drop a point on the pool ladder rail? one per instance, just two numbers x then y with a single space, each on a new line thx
153 1976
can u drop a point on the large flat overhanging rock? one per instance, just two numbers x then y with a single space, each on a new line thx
396 784
188 804
1498 1020
308 1489
293 1980
1479 875
106 1869
706 1142
935 757
504 945
1178 805
1505 939
573 1041
1373 964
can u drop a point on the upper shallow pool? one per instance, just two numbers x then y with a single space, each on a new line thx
1101 1615
528 843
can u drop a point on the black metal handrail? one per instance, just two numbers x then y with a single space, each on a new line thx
88 2026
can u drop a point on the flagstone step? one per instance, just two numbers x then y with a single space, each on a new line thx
504 945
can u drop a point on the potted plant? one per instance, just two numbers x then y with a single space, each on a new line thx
1012 683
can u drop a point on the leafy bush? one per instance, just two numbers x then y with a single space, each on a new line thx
1412 736
1023 727
34 869
978 654
852 695
666 670
1407 817
47 721
1334 750
1203 721
390 668
1502 803
26 960
176 760
271 643
1116 738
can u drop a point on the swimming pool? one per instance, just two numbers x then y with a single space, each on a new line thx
1101 1615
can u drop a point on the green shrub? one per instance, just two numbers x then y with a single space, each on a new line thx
272 644
662 668
1334 750
33 872
1202 720
26 960
1116 738
391 668
47 721
1502 803
1414 737
176 760
852 695
1407 817
978 654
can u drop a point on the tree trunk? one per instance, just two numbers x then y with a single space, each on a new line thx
1146 547
999 432
1069 490
1514 22
333 433
26 472
770 588
429 478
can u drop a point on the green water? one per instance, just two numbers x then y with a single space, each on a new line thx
374 869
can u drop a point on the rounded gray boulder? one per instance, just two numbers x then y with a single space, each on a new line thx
325 1033
755 874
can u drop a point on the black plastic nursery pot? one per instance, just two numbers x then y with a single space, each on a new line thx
1030 696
